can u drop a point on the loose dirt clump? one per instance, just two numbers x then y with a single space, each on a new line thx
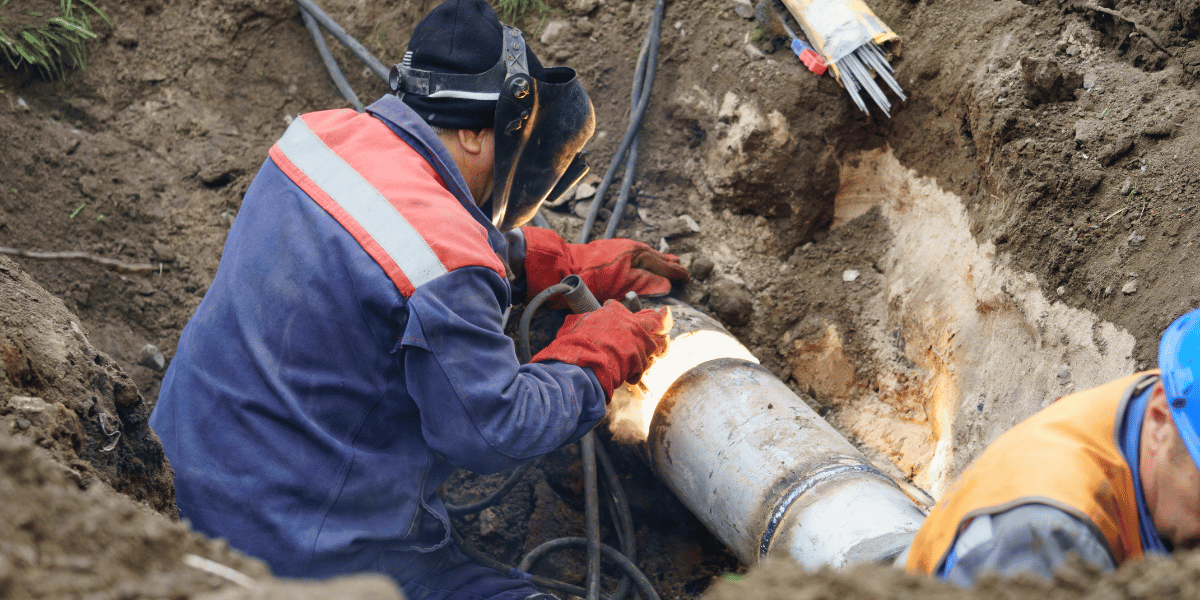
61 393
1156 577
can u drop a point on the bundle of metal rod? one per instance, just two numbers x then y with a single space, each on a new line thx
856 72
854 43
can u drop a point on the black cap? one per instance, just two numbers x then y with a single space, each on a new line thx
460 37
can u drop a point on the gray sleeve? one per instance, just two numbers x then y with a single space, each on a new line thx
1032 538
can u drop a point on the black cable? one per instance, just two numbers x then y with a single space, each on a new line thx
346 39
638 89
539 220
610 553
618 505
650 48
492 499
490 562
591 512
331 65
523 332
591 450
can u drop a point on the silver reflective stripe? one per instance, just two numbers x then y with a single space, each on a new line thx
466 95
363 202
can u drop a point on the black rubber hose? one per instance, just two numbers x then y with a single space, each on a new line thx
610 553
653 33
331 65
493 498
349 42
523 332
490 562
626 186
618 506
638 89
590 450
591 513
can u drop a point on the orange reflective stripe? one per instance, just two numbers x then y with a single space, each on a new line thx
1066 456
364 210
385 194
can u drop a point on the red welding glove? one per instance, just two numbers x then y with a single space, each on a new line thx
617 345
610 268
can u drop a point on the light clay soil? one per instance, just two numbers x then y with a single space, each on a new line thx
1059 138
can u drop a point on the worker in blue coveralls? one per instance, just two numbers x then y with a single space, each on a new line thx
350 355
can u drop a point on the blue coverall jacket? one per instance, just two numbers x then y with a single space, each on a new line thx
314 405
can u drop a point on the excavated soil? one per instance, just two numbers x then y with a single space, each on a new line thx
1021 227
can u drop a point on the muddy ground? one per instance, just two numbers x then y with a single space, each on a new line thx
1021 227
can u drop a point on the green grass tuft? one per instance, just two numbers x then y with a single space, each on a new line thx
50 43
511 10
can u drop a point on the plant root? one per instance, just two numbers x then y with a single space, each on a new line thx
1153 37
111 263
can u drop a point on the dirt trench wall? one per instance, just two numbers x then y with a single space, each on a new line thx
1092 194
1064 136
60 392
1067 133
60 541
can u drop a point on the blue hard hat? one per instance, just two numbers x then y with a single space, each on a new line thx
1179 359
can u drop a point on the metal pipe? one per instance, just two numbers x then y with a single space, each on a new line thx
764 472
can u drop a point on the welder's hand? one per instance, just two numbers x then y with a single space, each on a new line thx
617 345
610 268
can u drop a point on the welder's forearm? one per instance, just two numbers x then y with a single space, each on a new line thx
480 408
548 406
490 426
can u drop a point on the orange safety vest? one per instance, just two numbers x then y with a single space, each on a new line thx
1066 456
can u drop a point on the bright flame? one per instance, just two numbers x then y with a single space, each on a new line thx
633 406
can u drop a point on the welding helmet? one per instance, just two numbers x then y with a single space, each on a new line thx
1179 361
542 117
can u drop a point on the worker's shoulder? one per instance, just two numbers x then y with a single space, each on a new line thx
357 167
450 231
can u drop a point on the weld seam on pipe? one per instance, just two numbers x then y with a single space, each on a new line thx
804 485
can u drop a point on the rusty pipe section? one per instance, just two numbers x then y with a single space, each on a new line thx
761 469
